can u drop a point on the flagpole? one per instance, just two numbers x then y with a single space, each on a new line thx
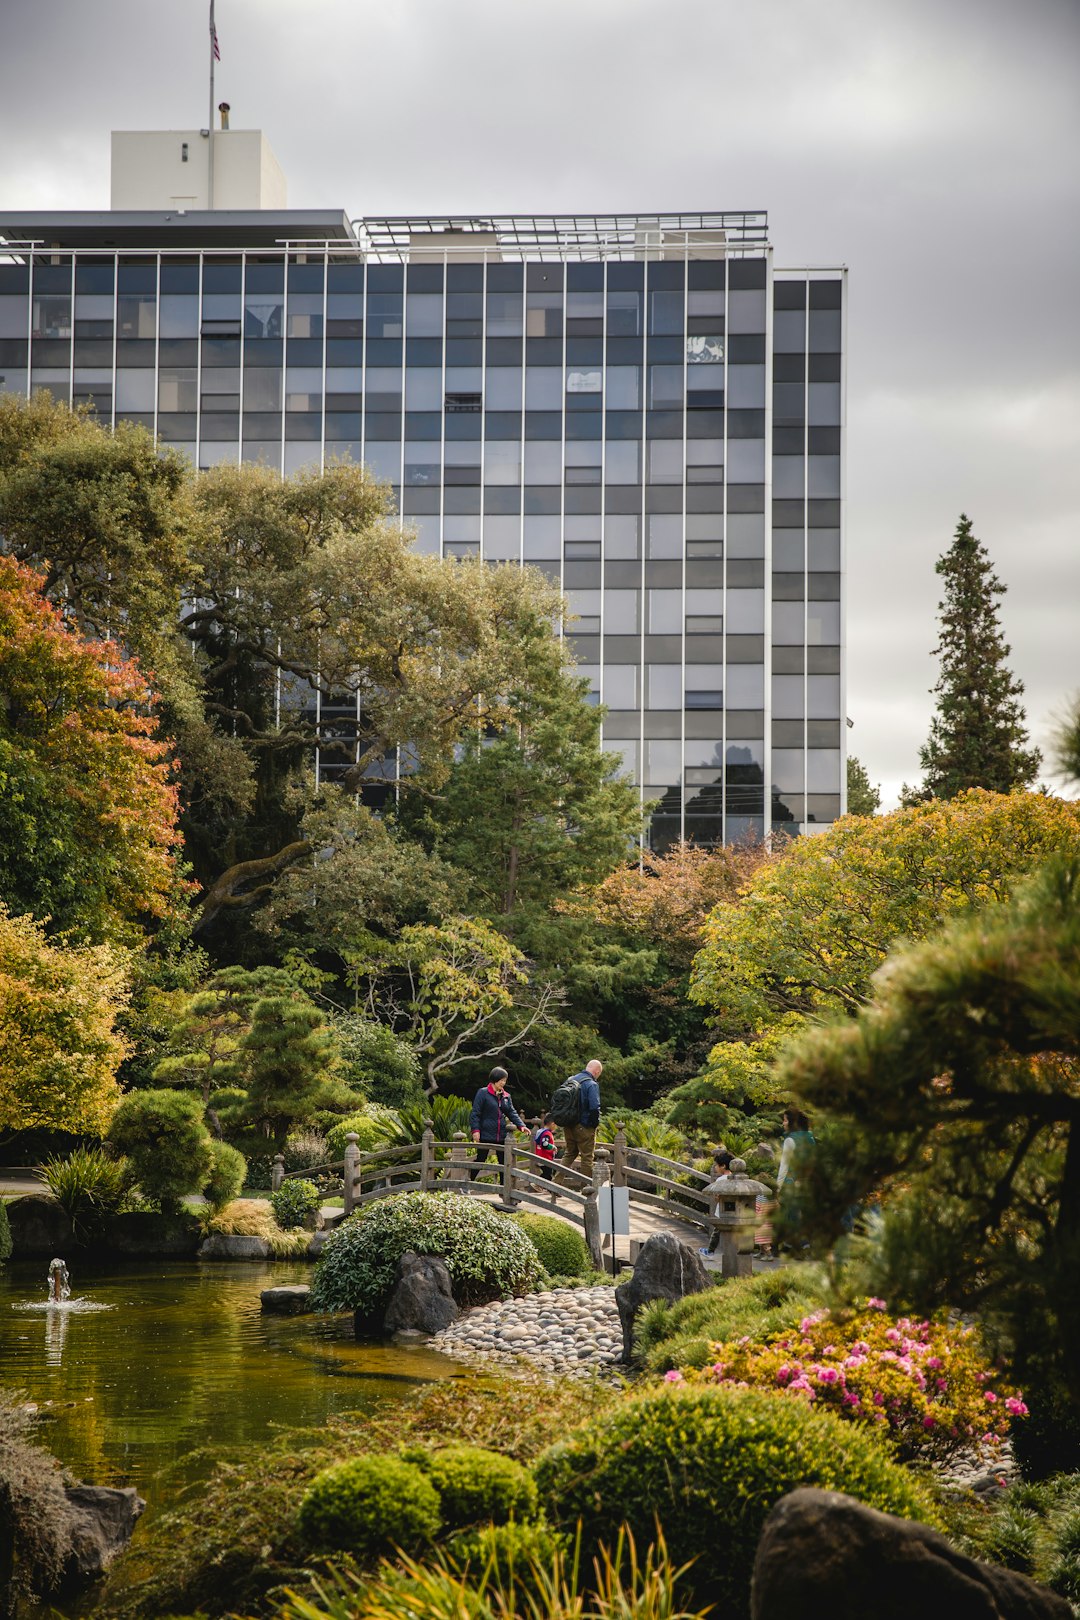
210 124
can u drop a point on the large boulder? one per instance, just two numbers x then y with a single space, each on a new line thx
101 1523
234 1246
422 1300
150 1235
290 1299
665 1269
38 1227
824 1553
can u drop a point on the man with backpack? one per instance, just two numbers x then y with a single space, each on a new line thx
575 1107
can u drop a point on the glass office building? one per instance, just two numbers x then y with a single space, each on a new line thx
642 407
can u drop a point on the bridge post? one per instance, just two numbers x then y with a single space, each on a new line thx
592 1220
352 1171
427 1158
277 1172
459 1153
508 1171
618 1159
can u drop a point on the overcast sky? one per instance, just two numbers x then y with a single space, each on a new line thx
932 146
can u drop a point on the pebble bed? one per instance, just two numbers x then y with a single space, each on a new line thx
565 1330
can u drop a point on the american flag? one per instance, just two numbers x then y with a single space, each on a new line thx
214 46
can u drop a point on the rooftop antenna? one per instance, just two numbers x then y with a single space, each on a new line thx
215 56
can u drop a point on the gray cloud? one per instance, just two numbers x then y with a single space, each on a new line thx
929 147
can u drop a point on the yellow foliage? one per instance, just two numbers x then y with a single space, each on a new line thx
59 1045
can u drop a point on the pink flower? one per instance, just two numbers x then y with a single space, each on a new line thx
860 1348
827 1375
988 1395
850 1398
879 1399
942 1383
928 1421
933 1362
875 1304
673 1377
892 1335
854 1361
829 1350
1015 1408
783 1374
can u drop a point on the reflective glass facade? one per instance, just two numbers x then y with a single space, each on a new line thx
643 409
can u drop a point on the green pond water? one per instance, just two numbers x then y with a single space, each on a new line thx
181 1368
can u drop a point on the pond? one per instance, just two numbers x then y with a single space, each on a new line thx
181 1367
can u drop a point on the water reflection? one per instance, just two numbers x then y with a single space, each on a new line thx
155 1371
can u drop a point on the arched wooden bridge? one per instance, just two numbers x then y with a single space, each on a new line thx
663 1195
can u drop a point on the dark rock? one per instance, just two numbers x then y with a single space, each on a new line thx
422 1298
824 1553
149 1235
38 1227
102 1521
293 1300
665 1269
234 1246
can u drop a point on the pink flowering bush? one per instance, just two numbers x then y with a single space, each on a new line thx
924 1384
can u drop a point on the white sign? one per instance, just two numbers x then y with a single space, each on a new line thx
613 1204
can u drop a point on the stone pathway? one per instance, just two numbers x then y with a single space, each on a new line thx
565 1330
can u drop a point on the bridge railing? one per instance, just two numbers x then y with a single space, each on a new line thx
519 1177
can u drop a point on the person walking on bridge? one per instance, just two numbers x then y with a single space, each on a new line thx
576 1108
490 1111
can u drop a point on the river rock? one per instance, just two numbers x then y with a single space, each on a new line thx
289 1300
665 1269
102 1521
422 1298
234 1246
824 1553
38 1227
147 1234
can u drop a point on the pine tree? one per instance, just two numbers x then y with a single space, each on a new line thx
978 736
863 798
288 1054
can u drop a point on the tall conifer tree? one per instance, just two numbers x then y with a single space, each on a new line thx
978 736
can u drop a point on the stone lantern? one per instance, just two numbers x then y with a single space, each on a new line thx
735 1218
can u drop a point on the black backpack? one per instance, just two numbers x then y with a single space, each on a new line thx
566 1102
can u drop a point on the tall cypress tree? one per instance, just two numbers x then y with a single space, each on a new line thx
978 735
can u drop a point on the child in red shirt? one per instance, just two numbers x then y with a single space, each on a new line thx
544 1145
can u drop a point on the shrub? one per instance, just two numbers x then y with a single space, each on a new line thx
228 1168
477 1486
253 1217
560 1246
681 1335
304 1150
370 1129
293 1202
706 1466
448 1115
5 1233
369 1506
924 1384
487 1255
507 1553
163 1134
88 1184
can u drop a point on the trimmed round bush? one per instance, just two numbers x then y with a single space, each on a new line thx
228 1167
560 1246
293 1202
487 1255
709 1465
369 1506
370 1130
514 1552
163 1135
477 1486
